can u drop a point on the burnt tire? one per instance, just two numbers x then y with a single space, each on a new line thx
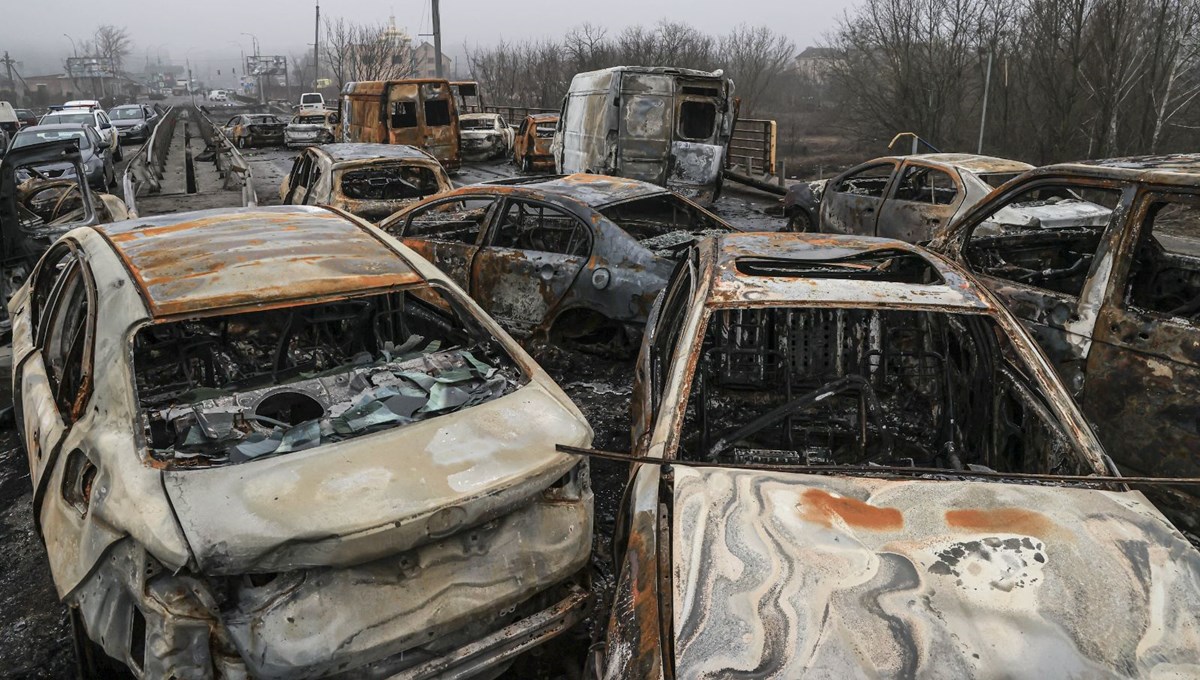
118 155
241 143
91 663
801 222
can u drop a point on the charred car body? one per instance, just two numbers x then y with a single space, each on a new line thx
369 180
255 129
834 366
1101 260
485 136
418 112
531 144
575 258
309 127
911 198
337 464
666 126
35 210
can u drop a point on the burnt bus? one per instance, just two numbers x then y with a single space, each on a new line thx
667 126
419 112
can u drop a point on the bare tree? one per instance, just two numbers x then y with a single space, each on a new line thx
365 52
755 56
111 45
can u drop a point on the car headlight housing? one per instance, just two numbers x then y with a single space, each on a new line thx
139 127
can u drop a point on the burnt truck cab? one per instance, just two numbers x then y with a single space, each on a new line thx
666 126
419 112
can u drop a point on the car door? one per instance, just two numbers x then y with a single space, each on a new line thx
1046 248
532 255
301 177
646 126
852 202
922 200
54 384
447 232
1143 371
107 131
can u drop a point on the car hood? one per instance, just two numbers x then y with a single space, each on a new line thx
790 575
376 495
128 122
1056 215
480 134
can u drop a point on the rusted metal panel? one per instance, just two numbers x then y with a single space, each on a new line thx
419 112
202 261
797 575
531 146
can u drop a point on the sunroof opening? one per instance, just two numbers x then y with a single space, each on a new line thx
895 266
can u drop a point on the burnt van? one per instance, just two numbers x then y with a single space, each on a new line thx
417 112
667 126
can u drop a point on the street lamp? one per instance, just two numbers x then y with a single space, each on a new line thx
262 96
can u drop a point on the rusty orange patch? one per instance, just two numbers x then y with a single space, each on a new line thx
821 506
1001 520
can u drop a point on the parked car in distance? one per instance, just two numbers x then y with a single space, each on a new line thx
312 101
255 129
1101 260
371 181
306 422
912 197
26 116
311 127
531 144
574 259
218 96
95 153
134 122
155 95
485 136
9 125
92 115
849 367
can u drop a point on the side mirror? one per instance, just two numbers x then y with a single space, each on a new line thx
105 126
104 144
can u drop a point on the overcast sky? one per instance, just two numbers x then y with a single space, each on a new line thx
33 31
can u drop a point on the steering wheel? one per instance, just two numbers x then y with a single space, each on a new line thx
56 213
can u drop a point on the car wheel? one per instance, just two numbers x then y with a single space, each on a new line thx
117 154
241 142
800 222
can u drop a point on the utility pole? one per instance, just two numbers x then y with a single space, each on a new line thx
8 64
437 39
987 81
191 90
317 47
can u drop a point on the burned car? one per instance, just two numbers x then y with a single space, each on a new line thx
1101 260
576 258
485 136
369 180
254 129
862 459
310 127
276 443
911 198
531 145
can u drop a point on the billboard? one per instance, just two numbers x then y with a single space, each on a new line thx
89 67
266 65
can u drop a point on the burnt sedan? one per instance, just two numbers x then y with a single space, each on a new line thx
276 443
578 258
862 460
255 129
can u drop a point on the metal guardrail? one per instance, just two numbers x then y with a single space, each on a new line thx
232 165
752 148
145 170
513 115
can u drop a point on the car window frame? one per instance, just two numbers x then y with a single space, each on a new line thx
955 180
1120 289
405 221
82 397
497 219
853 172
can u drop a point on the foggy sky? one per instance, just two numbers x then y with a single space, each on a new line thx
33 31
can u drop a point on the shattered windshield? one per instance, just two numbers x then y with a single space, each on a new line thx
389 183
30 137
309 120
860 386
476 123
230 389
665 224
545 130
68 118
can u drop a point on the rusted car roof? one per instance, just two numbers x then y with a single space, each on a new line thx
598 191
1163 169
838 577
210 260
342 153
781 251
667 70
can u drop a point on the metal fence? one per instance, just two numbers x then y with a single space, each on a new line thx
231 164
752 148
144 173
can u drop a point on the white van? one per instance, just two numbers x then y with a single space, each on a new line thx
666 126
312 101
